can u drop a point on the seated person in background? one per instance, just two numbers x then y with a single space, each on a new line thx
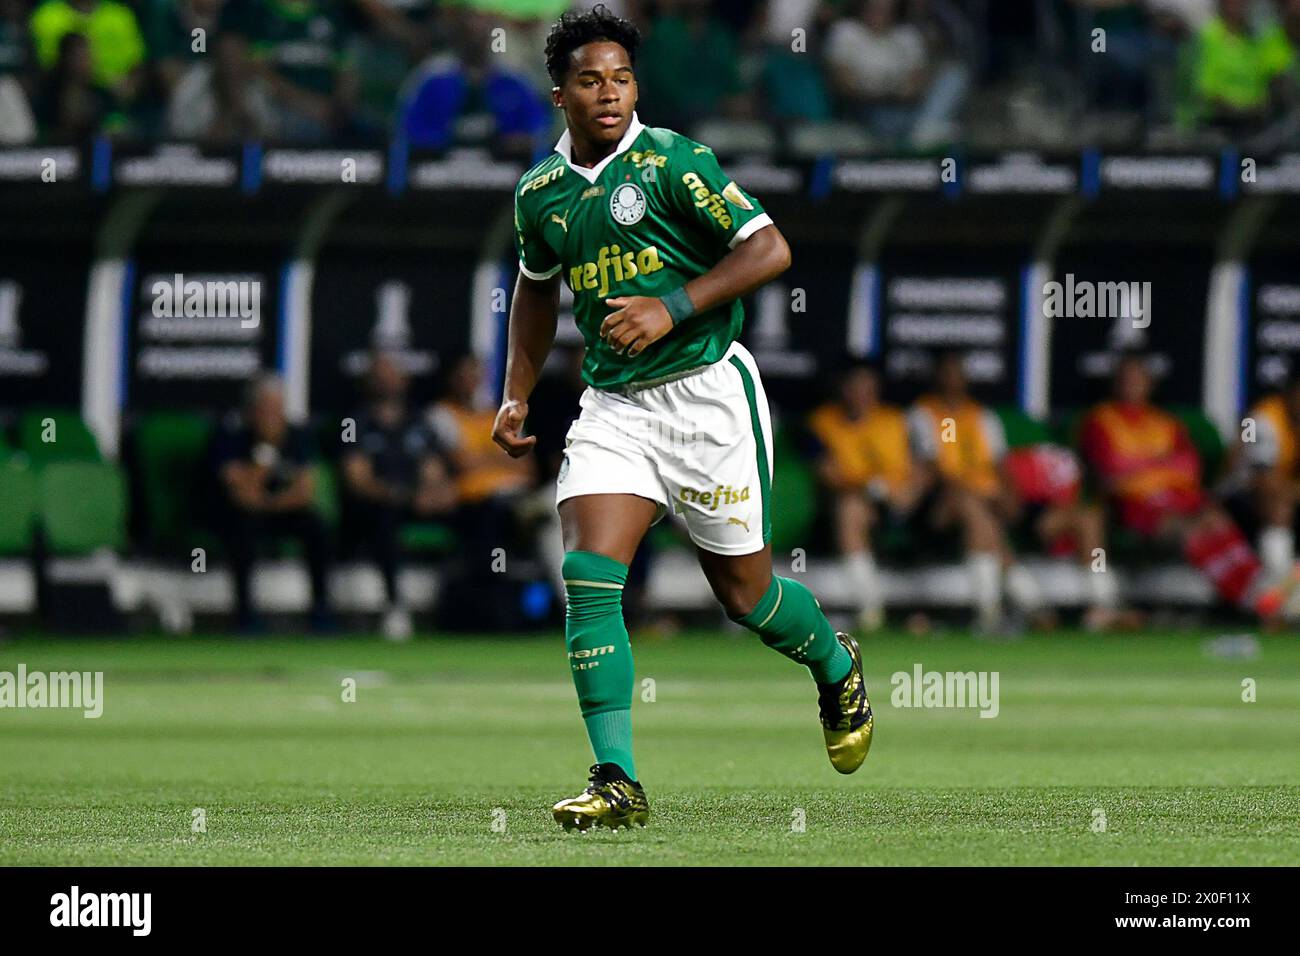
961 448
263 464
866 464
1265 483
1046 481
489 485
1149 468
393 473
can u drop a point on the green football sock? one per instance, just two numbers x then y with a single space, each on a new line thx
600 654
788 619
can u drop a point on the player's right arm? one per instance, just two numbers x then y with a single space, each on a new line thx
533 312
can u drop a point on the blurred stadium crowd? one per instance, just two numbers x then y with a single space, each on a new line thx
395 482
889 73
948 479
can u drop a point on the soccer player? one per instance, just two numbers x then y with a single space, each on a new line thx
658 247
1149 468
866 465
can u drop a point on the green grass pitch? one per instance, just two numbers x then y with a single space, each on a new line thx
455 748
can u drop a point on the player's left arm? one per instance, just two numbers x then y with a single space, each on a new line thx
701 193
642 320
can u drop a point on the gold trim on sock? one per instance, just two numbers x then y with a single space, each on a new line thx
779 592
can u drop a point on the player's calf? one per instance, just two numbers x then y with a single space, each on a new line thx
600 654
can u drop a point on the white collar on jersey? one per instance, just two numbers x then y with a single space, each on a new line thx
564 148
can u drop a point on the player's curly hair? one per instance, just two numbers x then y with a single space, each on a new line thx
573 30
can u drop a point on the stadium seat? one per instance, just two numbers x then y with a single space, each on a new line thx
1021 430
73 441
18 511
82 506
170 451
428 537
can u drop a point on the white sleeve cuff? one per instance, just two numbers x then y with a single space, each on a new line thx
537 276
749 228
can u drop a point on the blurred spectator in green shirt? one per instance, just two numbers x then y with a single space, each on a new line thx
391 37
300 48
115 44
688 68
790 32
170 28
1288 54
1233 68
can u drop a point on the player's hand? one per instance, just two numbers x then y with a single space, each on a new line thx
505 430
639 322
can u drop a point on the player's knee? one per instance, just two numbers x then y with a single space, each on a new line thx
593 584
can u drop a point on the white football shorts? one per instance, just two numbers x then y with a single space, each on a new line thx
700 445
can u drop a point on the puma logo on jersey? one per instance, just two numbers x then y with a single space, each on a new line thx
564 223
744 524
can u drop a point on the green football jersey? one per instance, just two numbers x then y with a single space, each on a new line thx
653 215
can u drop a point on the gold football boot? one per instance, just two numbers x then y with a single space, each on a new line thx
610 800
846 715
